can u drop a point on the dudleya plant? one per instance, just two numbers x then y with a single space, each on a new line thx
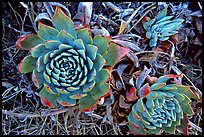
161 107
69 66
161 27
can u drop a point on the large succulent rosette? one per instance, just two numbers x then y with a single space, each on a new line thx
68 64
161 107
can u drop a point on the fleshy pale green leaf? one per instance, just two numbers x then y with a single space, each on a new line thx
184 90
118 52
29 41
39 50
135 124
99 62
47 32
77 94
152 43
62 22
40 66
88 86
187 109
102 44
164 19
91 51
87 103
37 78
164 78
52 44
28 64
65 100
65 38
48 99
157 86
98 92
139 106
84 35
101 76
78 44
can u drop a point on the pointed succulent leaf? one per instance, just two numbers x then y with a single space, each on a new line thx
164 78
48 99
185 90
102 43
47 32
164 19
157 86
187 109
84 35
162 14
62 21
65 37
29 41
118 52
27 65
87 103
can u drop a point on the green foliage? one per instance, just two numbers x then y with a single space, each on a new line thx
68 63
161 109
161 27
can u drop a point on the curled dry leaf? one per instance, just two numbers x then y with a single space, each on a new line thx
86 9
122 103
142 76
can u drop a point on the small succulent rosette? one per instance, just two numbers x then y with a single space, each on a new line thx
161 27
69 66
161 107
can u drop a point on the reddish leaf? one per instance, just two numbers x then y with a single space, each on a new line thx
118 52
46 102
131 95
184 125
144 91
28 41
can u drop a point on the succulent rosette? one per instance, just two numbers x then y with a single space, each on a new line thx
161 27
161 107
69 66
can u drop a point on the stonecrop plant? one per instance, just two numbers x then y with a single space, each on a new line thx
161 107
69 66
161 27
